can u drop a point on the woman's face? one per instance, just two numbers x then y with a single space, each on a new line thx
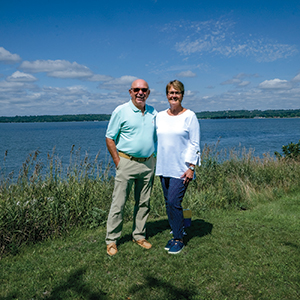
174 97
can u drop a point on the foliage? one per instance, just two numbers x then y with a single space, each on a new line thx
235 114
290 151
53 118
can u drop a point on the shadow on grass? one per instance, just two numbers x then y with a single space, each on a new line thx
75 284
198 228
292 245
161 289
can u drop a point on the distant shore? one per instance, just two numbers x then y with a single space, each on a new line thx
226 114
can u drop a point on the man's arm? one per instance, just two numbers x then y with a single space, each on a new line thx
111 146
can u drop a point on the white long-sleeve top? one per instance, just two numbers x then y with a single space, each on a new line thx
178 143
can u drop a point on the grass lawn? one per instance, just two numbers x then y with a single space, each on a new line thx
246 254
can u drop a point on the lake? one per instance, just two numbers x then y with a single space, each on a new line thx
20 139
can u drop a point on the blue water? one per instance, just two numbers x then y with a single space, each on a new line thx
20 139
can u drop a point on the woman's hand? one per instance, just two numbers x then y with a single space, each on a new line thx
188 176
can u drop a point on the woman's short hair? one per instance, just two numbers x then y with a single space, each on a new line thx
177 85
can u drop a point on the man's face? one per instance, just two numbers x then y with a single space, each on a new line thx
139 93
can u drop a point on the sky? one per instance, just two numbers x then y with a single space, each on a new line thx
80 57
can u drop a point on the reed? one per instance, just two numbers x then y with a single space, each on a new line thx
50 200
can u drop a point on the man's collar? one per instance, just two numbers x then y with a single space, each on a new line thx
134 108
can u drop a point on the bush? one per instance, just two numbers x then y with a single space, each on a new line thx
290 151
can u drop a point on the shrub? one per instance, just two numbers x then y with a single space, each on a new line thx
290 151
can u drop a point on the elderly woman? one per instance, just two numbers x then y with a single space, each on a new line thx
178 151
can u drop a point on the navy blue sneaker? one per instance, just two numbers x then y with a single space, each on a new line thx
169 244
176 248
184 233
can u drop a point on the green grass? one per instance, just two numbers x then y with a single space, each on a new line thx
230 254
243 242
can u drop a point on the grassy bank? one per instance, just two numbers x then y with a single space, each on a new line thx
47 201
230 254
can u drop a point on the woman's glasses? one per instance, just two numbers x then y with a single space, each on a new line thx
174 93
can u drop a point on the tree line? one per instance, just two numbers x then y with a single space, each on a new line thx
226 114
249 114
55 118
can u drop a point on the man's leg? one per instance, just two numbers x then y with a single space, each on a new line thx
123 184
142 192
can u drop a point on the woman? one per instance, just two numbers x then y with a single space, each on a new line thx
178 151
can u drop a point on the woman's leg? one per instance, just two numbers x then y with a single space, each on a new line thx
165 181
176 193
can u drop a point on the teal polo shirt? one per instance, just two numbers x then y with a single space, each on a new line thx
133 132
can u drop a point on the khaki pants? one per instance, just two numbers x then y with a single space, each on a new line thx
130 172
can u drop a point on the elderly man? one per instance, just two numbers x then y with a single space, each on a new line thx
130 140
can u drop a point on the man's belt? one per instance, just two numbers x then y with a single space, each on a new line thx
138 159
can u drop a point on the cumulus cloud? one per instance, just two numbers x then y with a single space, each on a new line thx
7 57
238 80
120 84
244 83
21 77
218 37
57 68
71 90
231 81
189 93
186 74
275 84
297 77
6 86
98 77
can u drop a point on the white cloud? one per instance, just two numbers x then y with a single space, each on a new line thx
71 90
120 84
7 57
186 74
98 77
297 77
244 83
69 73
57 68
218 37
275 84
231 81
6 86
21 77
189 93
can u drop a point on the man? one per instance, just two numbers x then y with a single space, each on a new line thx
130 141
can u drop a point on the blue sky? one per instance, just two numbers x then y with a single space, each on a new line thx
79 57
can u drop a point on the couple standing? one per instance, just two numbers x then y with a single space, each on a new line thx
131 136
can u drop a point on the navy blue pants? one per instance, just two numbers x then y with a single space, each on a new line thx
174 190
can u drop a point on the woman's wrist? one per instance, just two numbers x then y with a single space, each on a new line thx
192 167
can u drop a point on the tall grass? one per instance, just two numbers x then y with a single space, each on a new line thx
49 201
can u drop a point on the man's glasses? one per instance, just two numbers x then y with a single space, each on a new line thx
174 93
136 90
